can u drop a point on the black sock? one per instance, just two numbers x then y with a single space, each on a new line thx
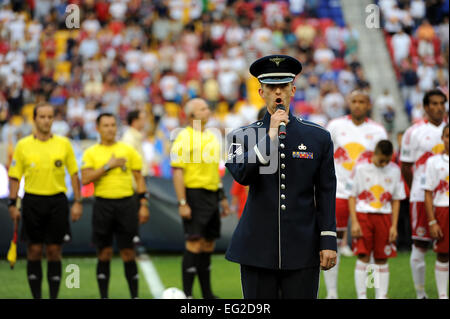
131 273
103 278
189 268
34 273
54 277
203 270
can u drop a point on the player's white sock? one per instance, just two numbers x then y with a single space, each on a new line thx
382 273
441 274
330 277
417 262
360 279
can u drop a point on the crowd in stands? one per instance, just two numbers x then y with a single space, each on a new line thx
154 55
417 36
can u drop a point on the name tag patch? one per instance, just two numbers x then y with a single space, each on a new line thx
306 155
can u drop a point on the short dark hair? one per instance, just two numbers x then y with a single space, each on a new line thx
106 114
39 105
430 93
133 115
384 147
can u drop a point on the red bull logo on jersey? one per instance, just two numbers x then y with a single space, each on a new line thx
442 187
349 154
376 196
437 149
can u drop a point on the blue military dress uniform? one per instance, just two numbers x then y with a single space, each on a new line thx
289 215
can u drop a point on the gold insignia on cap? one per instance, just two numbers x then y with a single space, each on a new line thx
277 60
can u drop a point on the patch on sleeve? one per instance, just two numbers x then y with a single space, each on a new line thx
234 150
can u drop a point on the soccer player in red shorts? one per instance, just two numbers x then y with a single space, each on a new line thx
420 142
376 190
354 138
436 204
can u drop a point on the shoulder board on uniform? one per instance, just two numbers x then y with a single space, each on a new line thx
305 122
242 128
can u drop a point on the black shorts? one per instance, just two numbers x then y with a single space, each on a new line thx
205 221
45 219
117 217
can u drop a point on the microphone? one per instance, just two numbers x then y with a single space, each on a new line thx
282 127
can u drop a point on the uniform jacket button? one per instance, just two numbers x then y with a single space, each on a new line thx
283 176
283 186
283 207
283 196
283 166
282 145
282 155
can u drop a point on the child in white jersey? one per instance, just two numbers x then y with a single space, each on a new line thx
376 190
436 189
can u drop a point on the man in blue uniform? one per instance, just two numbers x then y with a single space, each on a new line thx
287 232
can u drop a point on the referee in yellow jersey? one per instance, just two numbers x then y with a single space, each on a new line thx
42 158
111 165
195 159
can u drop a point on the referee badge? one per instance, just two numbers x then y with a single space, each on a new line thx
58 163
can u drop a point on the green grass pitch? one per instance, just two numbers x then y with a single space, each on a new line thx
225 278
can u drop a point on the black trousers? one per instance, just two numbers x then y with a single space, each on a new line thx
262 283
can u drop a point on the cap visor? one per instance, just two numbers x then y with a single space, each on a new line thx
276 80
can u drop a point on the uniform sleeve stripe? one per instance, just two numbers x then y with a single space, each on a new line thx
260 157
328 233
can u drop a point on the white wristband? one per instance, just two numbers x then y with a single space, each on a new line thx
434 221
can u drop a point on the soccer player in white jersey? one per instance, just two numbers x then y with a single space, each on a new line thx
420 142
354 137
436 204
376 188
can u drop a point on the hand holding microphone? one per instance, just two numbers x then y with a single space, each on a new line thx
278 122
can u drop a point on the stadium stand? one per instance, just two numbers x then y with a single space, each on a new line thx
416 34
154 55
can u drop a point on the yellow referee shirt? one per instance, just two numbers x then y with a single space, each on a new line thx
118 182
43 163
198 154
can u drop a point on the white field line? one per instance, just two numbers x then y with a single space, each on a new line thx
154 283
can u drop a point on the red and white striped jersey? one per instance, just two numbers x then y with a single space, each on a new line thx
351 144
375 187
420 142
436 179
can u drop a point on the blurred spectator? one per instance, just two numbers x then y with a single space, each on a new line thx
60 126
384 105
346 80
229 82
409 80
417 11
401 44
333 103
393 16
443 33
